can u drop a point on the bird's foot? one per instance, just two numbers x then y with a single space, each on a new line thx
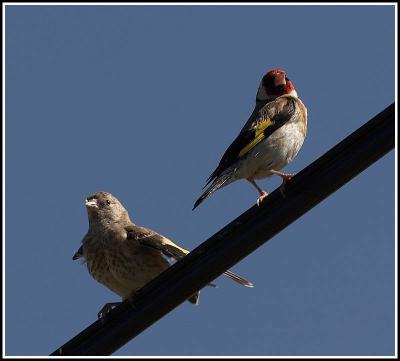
263 194
103 313
131 298
285 178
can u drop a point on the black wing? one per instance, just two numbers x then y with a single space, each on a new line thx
261 124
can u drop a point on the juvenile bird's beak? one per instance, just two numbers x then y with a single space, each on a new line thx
280 80
91 203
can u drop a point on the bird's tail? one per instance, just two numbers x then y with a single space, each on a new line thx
233 276
238 279
78 254
194 298
221 181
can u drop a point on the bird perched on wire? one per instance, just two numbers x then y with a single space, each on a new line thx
269 140
123 256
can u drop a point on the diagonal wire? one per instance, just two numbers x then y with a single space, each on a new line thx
239 238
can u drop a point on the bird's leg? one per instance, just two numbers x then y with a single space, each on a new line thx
263 193
285 178
102 315
131 298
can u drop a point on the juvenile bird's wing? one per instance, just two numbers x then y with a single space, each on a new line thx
261 124
147 237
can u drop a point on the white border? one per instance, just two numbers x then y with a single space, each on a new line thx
201 4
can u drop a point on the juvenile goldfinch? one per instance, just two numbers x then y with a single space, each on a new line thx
123 256
269 140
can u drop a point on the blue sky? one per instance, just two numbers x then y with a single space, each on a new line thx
142 101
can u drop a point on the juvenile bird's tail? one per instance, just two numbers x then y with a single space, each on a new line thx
194 298
221 181
238 279
233 276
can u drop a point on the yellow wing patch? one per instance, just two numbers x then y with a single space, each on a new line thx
171 244
258 136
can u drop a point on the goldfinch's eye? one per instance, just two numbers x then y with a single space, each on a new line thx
108 202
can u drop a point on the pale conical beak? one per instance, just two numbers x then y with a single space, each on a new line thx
280 80
91 203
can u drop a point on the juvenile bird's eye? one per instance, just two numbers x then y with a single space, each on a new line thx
108 202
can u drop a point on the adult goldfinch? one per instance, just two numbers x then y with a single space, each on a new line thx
124 256
269 140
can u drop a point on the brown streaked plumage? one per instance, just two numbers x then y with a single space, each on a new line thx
123 256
